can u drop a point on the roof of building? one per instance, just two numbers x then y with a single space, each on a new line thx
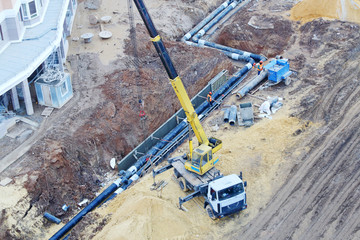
19 60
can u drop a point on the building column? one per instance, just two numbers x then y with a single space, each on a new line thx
27 97
15 99
60 58
71 7
6 100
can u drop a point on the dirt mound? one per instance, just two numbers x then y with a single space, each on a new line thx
308 10
269 42
69 178
144 217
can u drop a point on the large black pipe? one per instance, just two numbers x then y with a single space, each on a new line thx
97 201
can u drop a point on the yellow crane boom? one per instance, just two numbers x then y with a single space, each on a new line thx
200 160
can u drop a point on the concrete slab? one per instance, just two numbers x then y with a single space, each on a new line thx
16 131
47 111
5 181
258 23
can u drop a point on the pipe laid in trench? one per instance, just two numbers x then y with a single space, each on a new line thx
219 14
234 51
214 21
250 85
232 115
94 203
206 20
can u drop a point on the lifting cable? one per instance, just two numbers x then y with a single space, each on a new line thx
133 42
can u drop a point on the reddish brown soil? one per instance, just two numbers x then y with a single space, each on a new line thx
268 42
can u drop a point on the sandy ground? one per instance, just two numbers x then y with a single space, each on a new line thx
109 49
308 10
261 154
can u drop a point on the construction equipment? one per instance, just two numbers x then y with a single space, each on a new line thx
199 160
246 114
279 70
224 195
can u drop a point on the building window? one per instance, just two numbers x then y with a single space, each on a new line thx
29 10
64 88
32 8
1 34
24 11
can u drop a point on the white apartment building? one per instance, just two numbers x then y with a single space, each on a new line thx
33 43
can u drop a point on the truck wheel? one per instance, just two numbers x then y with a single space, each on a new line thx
210 212
287 81
182 183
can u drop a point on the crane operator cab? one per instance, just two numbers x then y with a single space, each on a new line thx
201 160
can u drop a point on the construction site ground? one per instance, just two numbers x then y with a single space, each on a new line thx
301 166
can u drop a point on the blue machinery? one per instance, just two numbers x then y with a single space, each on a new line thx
178 134
279 70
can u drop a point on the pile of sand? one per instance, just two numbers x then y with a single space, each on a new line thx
307 10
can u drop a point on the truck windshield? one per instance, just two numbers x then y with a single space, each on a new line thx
231 191
196 159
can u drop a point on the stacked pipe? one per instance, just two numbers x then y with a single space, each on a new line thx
226 115
232 115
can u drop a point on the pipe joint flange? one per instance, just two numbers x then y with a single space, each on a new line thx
187 36
249 66
201 43
233 5
246 54
235 56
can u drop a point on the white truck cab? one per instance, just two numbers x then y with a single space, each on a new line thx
225 196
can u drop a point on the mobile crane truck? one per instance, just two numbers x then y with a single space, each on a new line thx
195 171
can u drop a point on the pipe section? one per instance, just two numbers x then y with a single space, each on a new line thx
208 23
205 21
97 201
51 218
214 21
226 115
232 115
250 85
